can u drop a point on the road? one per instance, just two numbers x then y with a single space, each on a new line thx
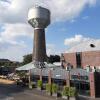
14 92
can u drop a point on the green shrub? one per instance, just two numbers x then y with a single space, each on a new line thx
65 91
39 84
72 92
54 88
69 91
48 87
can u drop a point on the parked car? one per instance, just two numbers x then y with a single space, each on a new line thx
13 76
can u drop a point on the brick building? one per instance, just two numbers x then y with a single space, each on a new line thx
81 59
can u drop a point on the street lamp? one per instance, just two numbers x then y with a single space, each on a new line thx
69 69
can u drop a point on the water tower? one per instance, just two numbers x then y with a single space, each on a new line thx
39 18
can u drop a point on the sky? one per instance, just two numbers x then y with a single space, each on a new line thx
75 24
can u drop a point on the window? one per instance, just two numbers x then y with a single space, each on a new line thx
78 59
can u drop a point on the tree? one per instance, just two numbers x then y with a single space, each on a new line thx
53 58
27 59
8 63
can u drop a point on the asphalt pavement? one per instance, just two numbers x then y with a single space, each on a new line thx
15 92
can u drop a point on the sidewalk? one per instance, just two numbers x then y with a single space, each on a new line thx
43 94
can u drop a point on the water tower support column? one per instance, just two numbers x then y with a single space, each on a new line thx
39 51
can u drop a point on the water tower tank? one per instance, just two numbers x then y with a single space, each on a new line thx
39 18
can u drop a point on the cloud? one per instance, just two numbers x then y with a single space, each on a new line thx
80 43
13 31
75 40
61 10
14 52
52 50
11 46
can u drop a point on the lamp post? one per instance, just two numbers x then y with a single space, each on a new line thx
68 69
79 81
50 80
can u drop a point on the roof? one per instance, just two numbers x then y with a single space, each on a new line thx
57 63
32 66
49 65
26 67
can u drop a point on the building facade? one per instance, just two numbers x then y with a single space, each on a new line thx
86 82
81 59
